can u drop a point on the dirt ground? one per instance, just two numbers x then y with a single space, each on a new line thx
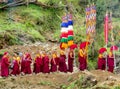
56 80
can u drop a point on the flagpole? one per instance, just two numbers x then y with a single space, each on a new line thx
113 42
106 34
106 57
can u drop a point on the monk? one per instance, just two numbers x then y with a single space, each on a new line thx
5 65
62 62
22 63
28 61
70 60
37 64
110 62
46 64
16 67
101 62
82 59
53 63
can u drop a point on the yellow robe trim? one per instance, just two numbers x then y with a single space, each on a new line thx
100 55
81 53
110 54
54 56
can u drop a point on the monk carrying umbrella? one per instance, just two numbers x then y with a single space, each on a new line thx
83 56
111 58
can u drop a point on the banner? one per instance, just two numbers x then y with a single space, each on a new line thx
106 28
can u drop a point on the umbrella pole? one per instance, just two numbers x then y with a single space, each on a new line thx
106 58
74 58
113 45
114 53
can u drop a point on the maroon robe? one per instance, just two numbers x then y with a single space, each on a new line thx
101 63
62 64
22 64
46 65
27 69
110 62
53 65
37 65
0 67
41 64
16 69
4 66
70 62
82 63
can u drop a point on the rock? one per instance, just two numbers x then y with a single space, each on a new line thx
13 79
108 83
101 87
89 81
111 78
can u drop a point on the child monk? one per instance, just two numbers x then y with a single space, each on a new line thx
37 64
82 59
15 65
22 63
101 59
54 62
5 65
70 60
46 64
28 61
62 62
110 61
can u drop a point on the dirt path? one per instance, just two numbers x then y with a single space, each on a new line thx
56 80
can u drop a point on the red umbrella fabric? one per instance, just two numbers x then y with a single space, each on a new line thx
102 50
73 46
84 44
115 48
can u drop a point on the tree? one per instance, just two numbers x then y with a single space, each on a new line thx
101 9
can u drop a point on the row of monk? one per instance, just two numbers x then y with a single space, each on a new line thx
42 63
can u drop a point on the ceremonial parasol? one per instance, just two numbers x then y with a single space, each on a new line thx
84 44
102 50
114 48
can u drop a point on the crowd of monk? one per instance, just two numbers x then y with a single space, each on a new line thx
42 63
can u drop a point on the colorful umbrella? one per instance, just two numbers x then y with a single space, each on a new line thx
115 48
73 46
84 44
102 50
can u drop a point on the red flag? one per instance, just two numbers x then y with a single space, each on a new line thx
106 28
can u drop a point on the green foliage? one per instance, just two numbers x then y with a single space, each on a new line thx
92 64
101 9
2 52
36 35
45 83
77 84
117 87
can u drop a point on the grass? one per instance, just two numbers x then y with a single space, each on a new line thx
117 87
45 83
